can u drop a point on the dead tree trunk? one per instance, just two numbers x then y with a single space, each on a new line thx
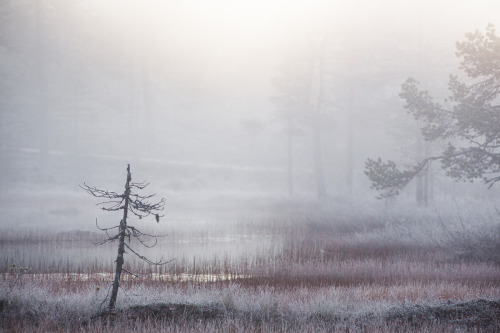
140 207
121 246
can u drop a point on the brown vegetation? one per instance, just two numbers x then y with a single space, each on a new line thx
309 278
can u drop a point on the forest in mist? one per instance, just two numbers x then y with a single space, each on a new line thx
249 166
222 97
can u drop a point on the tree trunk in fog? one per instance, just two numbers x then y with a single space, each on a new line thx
317 86
318 160
428 182
290 156
418 180
121 246
350 148
422 181
42 107
425 190
133 118
146 104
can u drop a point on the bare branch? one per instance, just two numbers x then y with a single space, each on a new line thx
110 239
140 185
156 263
117 205
98 193
137 232
104 229
146 207
133 274
145 244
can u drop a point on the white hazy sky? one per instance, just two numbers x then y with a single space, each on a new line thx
260 21
225 41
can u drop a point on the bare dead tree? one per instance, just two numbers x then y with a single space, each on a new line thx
139 206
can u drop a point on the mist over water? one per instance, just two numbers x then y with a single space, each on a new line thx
258 124
189 94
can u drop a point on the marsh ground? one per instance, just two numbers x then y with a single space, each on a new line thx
280 268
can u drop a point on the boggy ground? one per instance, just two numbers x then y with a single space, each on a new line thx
478 314
325 274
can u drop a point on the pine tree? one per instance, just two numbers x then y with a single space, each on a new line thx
470 125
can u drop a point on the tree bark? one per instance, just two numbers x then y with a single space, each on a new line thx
121 247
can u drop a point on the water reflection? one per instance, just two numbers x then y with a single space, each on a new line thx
195 247
108 277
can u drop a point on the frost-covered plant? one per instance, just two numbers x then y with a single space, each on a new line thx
13 277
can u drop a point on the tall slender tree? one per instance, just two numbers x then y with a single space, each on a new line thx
318 102
301 103
140 207
291 101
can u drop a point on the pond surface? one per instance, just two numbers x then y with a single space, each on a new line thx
191 246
